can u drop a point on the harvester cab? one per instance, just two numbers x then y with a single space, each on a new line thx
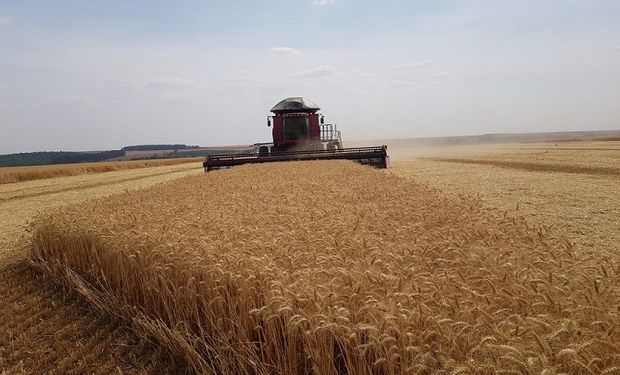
297 125
299 132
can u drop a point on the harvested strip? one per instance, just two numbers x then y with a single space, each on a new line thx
573 149
333 268
85 186
18 174
42 331
610 171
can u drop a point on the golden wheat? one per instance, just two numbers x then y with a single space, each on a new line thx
333 268
45 331
42 329
18 174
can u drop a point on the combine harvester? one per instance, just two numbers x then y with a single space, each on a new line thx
300 133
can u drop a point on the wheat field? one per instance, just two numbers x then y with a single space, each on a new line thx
565 186
10 175
48 330
334 268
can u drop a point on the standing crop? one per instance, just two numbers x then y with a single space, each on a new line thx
335 268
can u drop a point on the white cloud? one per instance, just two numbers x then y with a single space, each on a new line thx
284 51
5 21
434 78
415 72
155 82
248 78
357 74
322 2
4 87
398 83
319 71
303 78
616 48
72 99
120 83
163 82
440 75
417 64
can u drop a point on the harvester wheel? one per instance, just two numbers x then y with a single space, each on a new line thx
263 151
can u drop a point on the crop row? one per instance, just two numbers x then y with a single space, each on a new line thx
335 268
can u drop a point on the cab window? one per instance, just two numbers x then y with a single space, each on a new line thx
295 127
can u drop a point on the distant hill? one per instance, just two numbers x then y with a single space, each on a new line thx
158 147
567 136
135 152
57 157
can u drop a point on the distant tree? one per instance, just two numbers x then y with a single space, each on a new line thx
158 147
57 157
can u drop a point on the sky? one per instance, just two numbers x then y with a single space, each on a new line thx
93 75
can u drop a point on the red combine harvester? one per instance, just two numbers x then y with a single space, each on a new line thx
300 133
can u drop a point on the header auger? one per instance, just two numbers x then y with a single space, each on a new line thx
300 133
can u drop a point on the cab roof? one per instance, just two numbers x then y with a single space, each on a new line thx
295 104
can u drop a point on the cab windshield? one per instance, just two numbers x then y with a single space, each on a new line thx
295 127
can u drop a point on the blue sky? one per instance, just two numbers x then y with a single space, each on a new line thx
85 75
